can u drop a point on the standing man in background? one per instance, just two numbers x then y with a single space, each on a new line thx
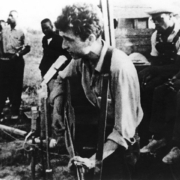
14 45
52 49
52 46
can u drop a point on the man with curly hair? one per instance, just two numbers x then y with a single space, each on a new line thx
81 26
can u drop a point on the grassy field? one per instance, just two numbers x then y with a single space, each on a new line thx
32 75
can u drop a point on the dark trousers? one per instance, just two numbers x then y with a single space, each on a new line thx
165 118
176 130
147 93
11 82
115 167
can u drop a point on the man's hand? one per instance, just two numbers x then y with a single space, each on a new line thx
147 74
79 161
57 124
173 84
13 57
52 143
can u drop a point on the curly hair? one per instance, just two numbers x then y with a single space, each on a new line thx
83 19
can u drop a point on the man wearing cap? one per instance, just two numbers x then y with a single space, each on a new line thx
158 83
165 52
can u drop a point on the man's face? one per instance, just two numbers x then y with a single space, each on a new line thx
162 21
12 18
47 29
74 45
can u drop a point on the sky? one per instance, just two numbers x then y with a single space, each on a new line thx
31 12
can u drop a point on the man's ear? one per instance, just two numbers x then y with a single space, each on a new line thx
92 39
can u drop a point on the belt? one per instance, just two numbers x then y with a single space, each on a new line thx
4 58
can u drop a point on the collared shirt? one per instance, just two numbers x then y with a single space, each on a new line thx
154 51
13 40
124 91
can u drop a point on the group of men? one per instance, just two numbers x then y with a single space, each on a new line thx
81 27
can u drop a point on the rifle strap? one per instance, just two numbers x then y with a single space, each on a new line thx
103 114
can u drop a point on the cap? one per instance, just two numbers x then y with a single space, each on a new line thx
167 9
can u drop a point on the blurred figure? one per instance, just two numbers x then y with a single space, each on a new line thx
165 57
14 45
2 25
160 84
165 52
52 46
52 49
165 120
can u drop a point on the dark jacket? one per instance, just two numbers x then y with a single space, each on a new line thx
51 52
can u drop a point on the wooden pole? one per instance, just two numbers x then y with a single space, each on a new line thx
107 10
13 130
48 169
111 23
103 4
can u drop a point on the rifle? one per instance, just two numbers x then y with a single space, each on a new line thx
41 142
33 157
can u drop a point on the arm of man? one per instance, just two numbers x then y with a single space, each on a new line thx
109 147
25 45
24 51
155 69
170 70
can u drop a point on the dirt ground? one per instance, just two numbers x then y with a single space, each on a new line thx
16 158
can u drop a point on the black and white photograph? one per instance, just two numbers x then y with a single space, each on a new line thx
90 90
